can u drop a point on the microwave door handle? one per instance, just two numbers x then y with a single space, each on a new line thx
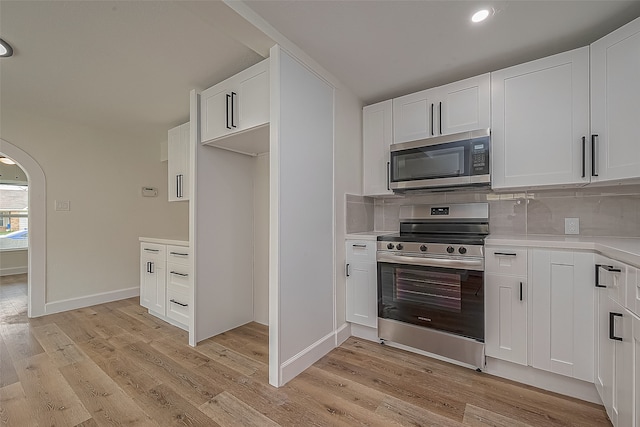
440 117
388 176
432 134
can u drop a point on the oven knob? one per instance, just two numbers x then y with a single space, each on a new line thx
390 246
450 249
462 250
423 248
399 246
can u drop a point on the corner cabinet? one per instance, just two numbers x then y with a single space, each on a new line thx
615 102
457 107
178 164
362 288
377 136
540 122
236 105
166 281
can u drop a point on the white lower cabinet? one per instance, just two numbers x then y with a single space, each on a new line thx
362 292
166 282
562 308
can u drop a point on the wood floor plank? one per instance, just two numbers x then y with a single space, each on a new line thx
99 323
479 417
406 414
14 408
226 410
50 398
174 410
8 374
234 360
62 350
19 340
180 352
101 396
254 348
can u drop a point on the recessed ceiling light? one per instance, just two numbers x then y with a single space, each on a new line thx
5 49
480 15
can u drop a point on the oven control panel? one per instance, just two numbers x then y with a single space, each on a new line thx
426 249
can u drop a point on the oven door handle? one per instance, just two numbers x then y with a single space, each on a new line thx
468 264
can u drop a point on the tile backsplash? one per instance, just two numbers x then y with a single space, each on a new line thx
602 211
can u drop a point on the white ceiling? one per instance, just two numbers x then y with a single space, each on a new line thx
383 49
129 65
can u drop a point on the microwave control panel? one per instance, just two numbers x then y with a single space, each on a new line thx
480 157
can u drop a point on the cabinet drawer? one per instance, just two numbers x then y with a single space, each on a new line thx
178 255
153 250
178 306
511 261
361 250
178 278
612 275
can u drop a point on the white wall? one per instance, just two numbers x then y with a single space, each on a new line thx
261 240
94 247
13 262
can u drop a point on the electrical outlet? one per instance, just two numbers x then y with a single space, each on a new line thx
572 226
62 205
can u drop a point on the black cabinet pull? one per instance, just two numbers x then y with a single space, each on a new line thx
431 119
151 250
440 116
179 303
505 254
593 155
150 270
356 245
388 175
612 329
609 268
178 253
177 186
233 116
520 291
227 111
584 156
347 270
179 274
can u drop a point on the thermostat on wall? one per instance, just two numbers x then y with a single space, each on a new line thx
149 192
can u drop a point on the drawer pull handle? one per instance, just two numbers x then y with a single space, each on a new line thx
178 253
179 274
609 268
179 303
151 250
520 291
612 326
359 246
505 254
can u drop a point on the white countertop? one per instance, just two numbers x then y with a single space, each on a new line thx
164 241
625 250
367 235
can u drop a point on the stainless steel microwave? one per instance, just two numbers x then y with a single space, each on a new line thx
460 159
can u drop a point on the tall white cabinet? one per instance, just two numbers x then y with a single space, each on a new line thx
153 290
377 136
178 163
362 288
540 122
615 102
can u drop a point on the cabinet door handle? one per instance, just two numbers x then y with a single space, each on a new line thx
151 265
148 267
432 119
233 116
151 250
594 138
357 245
440 117
612 326
505 254
520 291
388 175
347 270
177 186
178 253
179 274
179 303
228 98
584 156
609 268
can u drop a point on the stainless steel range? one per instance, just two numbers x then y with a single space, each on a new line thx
431 281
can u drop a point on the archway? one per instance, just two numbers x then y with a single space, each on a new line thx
37 270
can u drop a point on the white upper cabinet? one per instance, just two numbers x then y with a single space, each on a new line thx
457 107
178 164
615 103
236 105
540 122
377 135
464 106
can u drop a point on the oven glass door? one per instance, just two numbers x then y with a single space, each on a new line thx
445 299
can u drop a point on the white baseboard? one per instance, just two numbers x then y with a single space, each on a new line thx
89 300
307 357
10 271
343 333
542 379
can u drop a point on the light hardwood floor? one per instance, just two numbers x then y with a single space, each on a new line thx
114 364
